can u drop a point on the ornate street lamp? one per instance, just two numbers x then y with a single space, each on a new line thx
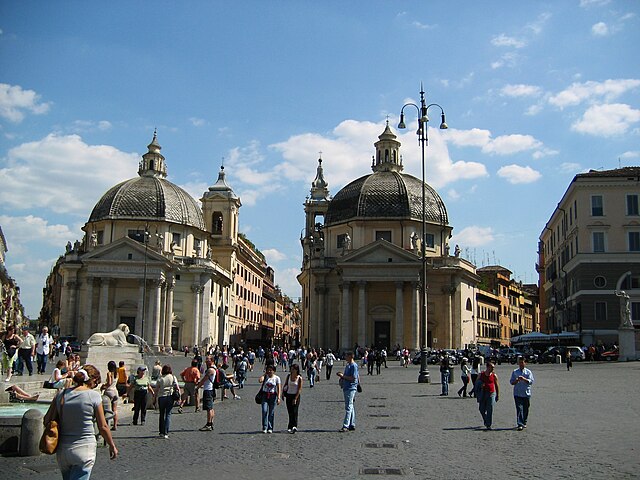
423 140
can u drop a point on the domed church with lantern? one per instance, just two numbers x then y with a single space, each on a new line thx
362 263
147 260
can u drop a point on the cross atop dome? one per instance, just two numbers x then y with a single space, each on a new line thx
319 186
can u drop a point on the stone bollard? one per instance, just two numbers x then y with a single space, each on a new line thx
30 432
451 374
559 359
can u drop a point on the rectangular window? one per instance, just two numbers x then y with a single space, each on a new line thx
341 240
431 239
601 311
634 241
100 237
632 205
383 235
598 242
175 238
137 235
597 206
635 311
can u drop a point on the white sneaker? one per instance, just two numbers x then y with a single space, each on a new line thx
264 431
236 397
166 436
290 430
269 431
294 429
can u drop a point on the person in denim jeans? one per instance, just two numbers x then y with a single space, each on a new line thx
271 393
487 393
349 383
444 375
522 379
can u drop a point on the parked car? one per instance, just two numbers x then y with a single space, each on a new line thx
577 354
610 355
508 355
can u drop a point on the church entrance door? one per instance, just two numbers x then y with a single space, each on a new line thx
382 335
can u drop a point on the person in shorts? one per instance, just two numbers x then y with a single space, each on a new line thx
121 384
208 384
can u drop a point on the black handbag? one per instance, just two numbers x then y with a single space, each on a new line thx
175 394
260 395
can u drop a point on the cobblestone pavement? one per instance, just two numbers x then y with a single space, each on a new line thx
583 423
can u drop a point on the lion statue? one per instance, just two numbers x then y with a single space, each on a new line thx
116 338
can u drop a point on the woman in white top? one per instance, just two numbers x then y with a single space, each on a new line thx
271 393
77 409
43 343
292 389
164 388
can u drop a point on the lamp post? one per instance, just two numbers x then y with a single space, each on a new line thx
423 140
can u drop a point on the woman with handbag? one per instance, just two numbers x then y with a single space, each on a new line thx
10 342
75 411
167 393
271 393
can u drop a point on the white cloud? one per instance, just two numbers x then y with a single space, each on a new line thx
580 92
536 26
600 29
544 152
509 59
473 236
453 194
197 122
503 40
534 109
83 126
35 171
607 120
286 280
424 26
20 231
631 154
502 145
516 174
14 101
273 255
570 167
520 90
593 3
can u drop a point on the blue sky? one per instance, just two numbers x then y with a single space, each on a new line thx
534 92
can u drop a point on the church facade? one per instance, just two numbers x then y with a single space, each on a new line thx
362 264
153 258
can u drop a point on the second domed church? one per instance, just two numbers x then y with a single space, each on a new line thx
362 262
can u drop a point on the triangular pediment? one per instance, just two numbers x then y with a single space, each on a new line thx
379 251
123 250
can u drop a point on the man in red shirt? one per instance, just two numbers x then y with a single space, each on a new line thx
190 376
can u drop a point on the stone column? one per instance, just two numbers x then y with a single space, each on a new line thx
86 329
155 322
321 321
103 313
399 314
345 318
168 315
72 307
415 315
141 308
362 313
197 290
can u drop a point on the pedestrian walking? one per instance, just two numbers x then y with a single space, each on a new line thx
43 348
271 394
26 352
568 360
208 383
140 386
444 375
487 394
190 377
121 384
371 361
522 379
76 409
166 386
378 361
349 382
10 352
111 392
464 376
475 370
329 359
311 369
292 389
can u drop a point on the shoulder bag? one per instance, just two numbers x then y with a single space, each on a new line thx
175 394
49 440
260 395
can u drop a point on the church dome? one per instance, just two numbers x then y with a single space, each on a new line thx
150 196
386 195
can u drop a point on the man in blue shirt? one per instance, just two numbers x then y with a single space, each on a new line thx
522 379
349 383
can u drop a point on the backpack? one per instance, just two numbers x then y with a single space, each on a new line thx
219 380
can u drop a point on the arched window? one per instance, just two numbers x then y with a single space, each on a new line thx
469 306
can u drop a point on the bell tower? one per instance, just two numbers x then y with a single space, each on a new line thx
221 208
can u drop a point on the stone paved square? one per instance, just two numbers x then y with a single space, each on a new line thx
583 424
